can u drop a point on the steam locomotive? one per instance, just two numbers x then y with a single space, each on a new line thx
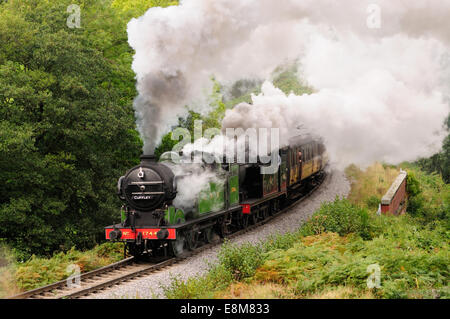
154 223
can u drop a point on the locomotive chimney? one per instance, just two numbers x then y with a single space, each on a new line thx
148 159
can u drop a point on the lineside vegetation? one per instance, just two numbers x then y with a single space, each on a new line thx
328 257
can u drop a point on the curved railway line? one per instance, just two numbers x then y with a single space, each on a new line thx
129 268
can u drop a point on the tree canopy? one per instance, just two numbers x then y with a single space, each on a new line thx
67 127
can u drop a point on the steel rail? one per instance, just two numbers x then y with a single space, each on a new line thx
63 283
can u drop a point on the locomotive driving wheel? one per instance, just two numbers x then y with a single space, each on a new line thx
178 245
192 238
209 235
254 217
265 212
244 221
273 207
223 228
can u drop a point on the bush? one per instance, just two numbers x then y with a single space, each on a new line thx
278 241
241 261
373 202
416 200
340 217
37 272
330 254
413 261
428 196
202 287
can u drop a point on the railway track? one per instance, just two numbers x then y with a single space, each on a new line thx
129 268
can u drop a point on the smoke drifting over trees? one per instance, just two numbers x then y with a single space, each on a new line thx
379 74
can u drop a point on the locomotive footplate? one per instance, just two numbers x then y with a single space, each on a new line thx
118 232
251 202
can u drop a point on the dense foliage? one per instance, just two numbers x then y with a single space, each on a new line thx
330 255
37 272
439 162
428 197
67 126
413 263
340 217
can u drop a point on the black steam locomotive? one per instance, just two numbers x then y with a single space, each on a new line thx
155 222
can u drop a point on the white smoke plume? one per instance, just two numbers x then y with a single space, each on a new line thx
191 180
379 91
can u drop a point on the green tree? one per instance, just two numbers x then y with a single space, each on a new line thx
212 119
67 128
439 162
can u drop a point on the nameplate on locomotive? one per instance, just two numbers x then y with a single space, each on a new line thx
137 197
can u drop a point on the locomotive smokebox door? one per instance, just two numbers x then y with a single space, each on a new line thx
149 185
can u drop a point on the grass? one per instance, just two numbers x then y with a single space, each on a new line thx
330 255
7 281
38 272
319 263
367 187
428 195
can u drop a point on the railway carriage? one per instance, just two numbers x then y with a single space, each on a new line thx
239 196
